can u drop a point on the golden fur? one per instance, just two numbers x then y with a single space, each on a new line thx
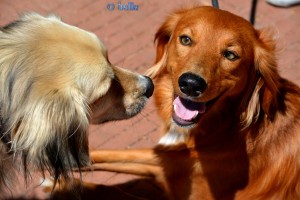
246 144
55 80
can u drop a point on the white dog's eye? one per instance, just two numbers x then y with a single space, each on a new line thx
231 55
185 40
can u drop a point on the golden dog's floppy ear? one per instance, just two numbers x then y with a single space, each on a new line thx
268 82
266 65
265 61
162 38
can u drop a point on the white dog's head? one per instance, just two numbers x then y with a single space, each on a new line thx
55 79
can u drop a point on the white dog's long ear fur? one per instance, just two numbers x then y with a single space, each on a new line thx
268 82
50 131
44 116
162 38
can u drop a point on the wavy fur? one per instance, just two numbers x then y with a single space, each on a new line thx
54 80
246 145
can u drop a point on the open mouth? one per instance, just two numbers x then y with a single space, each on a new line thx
187 112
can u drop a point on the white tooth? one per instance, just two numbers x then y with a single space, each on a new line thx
175 107
196 114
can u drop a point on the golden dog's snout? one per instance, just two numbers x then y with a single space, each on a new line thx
191 84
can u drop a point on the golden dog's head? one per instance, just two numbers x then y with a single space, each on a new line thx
55 80
207 58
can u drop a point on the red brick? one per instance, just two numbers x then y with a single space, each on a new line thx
7 13
50 5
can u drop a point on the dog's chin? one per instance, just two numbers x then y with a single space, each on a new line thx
135 108
121 111
187 113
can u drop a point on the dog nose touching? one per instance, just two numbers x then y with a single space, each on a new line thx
149 87
191 84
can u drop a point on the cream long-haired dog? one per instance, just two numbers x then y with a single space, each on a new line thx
55 79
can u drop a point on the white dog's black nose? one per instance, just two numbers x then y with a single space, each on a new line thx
191 84
149 87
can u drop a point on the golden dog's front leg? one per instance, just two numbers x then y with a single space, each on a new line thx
142 162
142 156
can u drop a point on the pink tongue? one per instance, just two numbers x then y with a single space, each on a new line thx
187 110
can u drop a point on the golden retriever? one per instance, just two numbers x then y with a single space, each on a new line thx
55 80
231 122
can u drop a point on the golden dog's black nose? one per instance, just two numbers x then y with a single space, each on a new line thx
191 84
149 87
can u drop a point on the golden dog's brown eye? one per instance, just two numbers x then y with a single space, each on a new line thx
230 55
185 40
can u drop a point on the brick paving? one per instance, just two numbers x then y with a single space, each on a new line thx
128 36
